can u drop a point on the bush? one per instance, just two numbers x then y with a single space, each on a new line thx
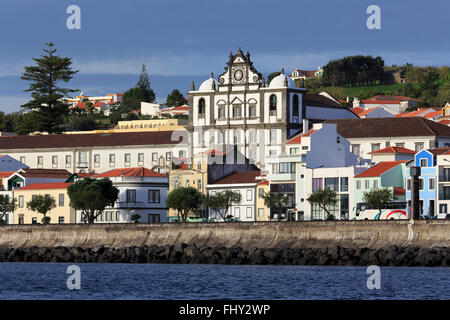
135 217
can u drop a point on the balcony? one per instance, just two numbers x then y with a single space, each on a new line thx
130 205
281 176
82 164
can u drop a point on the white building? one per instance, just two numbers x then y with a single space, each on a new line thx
392 104
141 191
150 109
244 183
97 152
415 133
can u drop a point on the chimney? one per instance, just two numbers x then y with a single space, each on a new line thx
305 125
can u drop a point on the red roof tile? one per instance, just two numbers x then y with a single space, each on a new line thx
130 172
399 191
390 150
357 110
37 186
432 114
378 169
298 138
5 174
240 177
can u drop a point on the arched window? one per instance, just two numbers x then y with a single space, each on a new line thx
295 110
273 102
201 106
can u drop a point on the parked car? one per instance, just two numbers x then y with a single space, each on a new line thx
443 216
233 220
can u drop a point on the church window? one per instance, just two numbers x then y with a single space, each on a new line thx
252 111
201 106
221 112
236 111
273 102
295 106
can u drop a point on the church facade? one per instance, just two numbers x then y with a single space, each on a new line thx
239 108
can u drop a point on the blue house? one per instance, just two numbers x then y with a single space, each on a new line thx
427 161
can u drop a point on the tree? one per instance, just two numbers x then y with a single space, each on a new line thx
84 122
184 200
135 217
272 75
324 199
429 86
144 83
222 201
142 92
276 201
175 99
92 196
42 204
7 205
378 199
46 109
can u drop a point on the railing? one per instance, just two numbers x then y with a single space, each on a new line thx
125 204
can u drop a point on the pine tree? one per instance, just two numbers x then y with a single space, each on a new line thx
47 111
175 99
144 83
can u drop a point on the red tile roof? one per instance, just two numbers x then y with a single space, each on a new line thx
45 173
88 140
432 114
390 150
378 169
37 186
5 174
240 177
399 191
298 138
366 112
357 110
389 97
129 172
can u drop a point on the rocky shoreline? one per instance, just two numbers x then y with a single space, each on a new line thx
185 254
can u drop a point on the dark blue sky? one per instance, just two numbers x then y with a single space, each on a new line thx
184 40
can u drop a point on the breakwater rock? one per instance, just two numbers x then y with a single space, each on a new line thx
184 253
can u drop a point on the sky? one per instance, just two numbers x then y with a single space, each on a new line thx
180 41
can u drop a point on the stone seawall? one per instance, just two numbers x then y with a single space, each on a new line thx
317 242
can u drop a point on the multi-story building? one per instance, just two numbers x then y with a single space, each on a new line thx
392 104
247 184
141 191
241 109
62 213
415 133
97 152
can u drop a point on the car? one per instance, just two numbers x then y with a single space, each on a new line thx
233 220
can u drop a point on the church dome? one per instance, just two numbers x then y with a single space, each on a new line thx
207 85
278 82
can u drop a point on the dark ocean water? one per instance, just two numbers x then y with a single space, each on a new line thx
170 281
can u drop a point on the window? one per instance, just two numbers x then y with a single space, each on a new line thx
237 212
418 146
355 149
443 208
421 184
249 212
168 156
431 184
249 195
344 184
68 160
154 196
199 184
127 158
423 162
295 106
261 192
273 102
112 159
153 218
375 146
34 220
294 150
273 136
286 167
154 156
201 106
96 160
332 184
40 160
60 220
20 201
358 184
82 157
21 219
402 145
221 112
117 215
106 215
237 111
273 153
54 161
408 184
261 213
252 111
317 184
387 144
22 159
187 183
61 199
140 157
375 184
367 184
131 195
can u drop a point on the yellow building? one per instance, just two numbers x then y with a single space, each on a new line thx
63 213
262 212
188 175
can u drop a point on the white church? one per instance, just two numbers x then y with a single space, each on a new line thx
240 108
